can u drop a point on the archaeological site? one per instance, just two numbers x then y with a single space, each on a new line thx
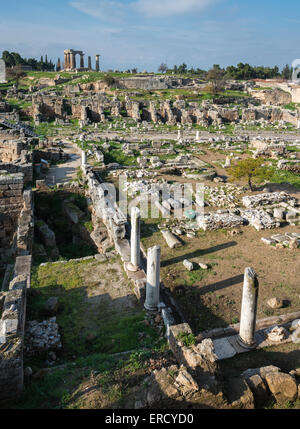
149 239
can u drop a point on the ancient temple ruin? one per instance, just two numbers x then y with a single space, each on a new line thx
70 61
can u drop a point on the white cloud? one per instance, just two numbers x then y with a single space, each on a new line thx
171 7
105 10
116 10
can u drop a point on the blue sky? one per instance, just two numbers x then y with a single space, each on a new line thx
145 33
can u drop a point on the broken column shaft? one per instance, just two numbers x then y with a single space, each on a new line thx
135 246
83 157
249 309
153 278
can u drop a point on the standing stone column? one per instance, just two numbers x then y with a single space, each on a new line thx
83 158
227 162
153 278
65 61
69 60
197 135
97 63
89 63
73 61
135 246
81 61
248 310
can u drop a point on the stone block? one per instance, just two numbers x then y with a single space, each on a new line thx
282 386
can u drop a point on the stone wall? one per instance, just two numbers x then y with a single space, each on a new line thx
13 311
19 168
151 82
16 216
103 207
10 150
12 324
15 156
11 204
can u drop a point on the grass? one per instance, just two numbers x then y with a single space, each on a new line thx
195 277
15 103
91 335
109 376
110 332
292 106
118 156
281 176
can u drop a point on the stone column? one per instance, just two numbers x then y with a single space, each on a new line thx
97 63
81 61
248 310
135 246
69 60
89 63
153 278
197 135
73 61
227 162
65 61
83 158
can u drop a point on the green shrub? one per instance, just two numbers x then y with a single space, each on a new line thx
188 339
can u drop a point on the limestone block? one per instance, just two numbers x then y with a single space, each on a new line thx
275 303
282 386
46 234
296 336
239 394
258 388
171 240
72 211
188 265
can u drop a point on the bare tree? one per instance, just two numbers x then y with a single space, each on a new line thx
216 76
15 74
162 68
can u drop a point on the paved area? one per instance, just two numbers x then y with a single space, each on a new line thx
62 173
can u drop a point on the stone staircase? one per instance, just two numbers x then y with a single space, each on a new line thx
18 126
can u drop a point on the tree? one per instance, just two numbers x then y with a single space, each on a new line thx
15 74
8 59
216 76
286 72
250 168
163 68
182 69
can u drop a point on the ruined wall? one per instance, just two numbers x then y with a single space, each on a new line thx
48 107
12 324
13 312
11 204
16 168
108 212
151 82
10 150
276 97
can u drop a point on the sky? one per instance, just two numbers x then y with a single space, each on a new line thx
143 34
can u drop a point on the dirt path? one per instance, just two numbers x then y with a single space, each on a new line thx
62 173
